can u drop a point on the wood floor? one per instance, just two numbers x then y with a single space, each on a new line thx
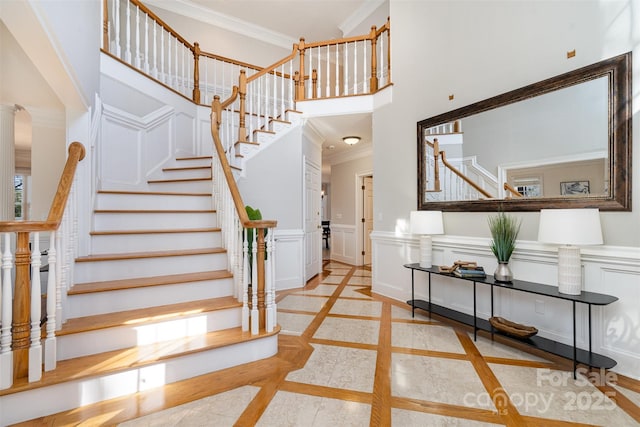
398 374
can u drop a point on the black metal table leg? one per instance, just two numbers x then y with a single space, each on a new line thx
475 323
589 335
429 287
413 297
575 352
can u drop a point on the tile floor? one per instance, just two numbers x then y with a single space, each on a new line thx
373 364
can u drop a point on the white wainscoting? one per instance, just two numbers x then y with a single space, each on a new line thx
289 259
607 269
342 243
134 146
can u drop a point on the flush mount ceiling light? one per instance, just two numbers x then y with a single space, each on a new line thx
351 140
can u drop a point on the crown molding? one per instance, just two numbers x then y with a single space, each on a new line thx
226 22
357 17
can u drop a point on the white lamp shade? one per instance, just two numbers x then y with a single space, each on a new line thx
426 222
570 227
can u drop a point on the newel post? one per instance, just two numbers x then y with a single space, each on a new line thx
242 93
373 83
21 323
300 91
196 73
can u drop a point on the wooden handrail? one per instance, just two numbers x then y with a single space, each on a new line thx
76 154
463 177
273 66
216 116
511 190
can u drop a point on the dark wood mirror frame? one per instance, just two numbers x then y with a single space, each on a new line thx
618 69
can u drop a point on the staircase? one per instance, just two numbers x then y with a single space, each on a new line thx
152 304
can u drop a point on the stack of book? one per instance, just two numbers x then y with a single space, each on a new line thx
470 272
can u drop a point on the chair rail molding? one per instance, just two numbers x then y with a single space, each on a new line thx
612 270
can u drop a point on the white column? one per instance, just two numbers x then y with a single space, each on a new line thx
7 162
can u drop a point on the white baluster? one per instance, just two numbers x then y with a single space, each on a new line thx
267 286
146 43
116 9
176 65
52 289
355 68
366 72
127 37
245 282
154 71
346 69
275 94
169 76
35 349
327 79
255 318
337 71
163 76
137 53
6 355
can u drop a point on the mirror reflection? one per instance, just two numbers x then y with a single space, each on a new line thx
562 141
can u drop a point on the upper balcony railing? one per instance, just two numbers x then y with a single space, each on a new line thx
342 67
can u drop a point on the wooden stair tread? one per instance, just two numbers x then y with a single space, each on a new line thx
246 142
194 158
138 282
148 254
145 315
264 131
281 121
160 181
153 193
147 211
185 168
125 359
159 231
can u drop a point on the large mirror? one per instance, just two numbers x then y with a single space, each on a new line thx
564 142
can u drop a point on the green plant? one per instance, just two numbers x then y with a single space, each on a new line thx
504 231
254 215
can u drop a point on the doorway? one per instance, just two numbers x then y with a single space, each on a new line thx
367 218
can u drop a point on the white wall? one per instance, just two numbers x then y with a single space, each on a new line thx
475 50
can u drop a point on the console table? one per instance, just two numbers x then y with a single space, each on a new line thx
570 352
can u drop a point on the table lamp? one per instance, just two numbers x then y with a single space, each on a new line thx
570 228
426 224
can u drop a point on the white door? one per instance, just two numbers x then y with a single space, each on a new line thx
367 217
312 221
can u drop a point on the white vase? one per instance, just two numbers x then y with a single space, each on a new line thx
503 272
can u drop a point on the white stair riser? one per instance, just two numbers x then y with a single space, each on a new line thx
108 339
246 149
186 173
151 201
279 126
72 394
98 271
80 305
185 163
127 243
110 221
264 137
200 186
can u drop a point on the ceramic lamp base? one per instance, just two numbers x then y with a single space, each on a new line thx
425 251
569 270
